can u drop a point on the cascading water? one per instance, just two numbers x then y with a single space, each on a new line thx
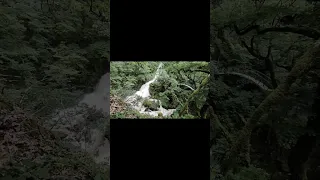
83 131
136 100
100 97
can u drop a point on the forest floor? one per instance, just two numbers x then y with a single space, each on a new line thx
29 150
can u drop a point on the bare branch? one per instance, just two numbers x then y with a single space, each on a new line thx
246 30
312 33
267 60
297 30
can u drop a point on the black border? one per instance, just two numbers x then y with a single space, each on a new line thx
160 30
160 149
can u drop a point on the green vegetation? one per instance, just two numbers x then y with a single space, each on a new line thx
150 105
264 90
128 77
172 87
260 90
51 53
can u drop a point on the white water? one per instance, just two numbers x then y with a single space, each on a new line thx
136 100
100 97
67 120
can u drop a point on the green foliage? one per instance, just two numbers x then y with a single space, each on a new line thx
50 53
152 105
235 99
169 90
49 166
251 173
132 114
128 77
37 43
237 10
166 90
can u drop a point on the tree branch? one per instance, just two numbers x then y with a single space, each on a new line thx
267 60
297 30
302 66
245 30
202 70
312 33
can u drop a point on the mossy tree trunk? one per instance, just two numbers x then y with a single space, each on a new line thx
303 65
203 83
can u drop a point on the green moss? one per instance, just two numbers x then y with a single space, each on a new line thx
156 88
152 105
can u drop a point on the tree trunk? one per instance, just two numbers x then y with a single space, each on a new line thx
300 153
303 65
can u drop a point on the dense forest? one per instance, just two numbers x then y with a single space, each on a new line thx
260 90
51 53
178 86
264 108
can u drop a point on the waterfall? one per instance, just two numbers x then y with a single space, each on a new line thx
82 132
136 100
144 90
100 97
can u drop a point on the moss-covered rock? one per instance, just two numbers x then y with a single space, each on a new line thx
169 100
152 105
156 88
